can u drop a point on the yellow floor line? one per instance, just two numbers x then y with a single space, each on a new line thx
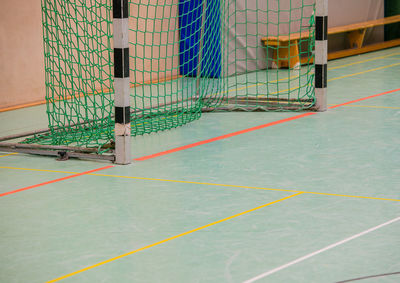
201 183
242 187
363 72
196 183
350 196
369 106
9 154
364 61
171 238
39 170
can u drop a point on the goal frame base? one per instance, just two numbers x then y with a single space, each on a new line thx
62 152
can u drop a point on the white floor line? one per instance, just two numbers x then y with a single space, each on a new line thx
263 275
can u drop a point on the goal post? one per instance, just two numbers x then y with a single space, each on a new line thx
122 130
321 54
121 68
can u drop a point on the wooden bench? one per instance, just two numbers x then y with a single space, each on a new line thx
289 45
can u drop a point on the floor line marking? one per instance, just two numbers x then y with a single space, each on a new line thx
169 151
364 98
243 187
54 181
363 72
364 61
300 259
369 106
39 170
369 276
223 136
206 184
14 153
171 238
350 196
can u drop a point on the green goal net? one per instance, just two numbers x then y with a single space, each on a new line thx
186 57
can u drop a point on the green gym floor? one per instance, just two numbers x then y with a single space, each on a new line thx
305 198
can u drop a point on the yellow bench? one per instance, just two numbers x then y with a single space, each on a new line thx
289 45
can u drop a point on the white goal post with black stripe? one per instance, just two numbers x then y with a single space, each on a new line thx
121 82
321 54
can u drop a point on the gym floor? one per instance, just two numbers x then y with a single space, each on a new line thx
307 197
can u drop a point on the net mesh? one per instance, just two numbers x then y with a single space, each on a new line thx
187 57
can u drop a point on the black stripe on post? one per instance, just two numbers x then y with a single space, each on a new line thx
321 28
121 62
122 115
120 9
126 62
321 72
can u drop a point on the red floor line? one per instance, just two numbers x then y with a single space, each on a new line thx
253 128
54 181
365 98
224 136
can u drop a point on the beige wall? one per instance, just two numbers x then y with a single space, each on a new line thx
346 12
21 54
21 48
